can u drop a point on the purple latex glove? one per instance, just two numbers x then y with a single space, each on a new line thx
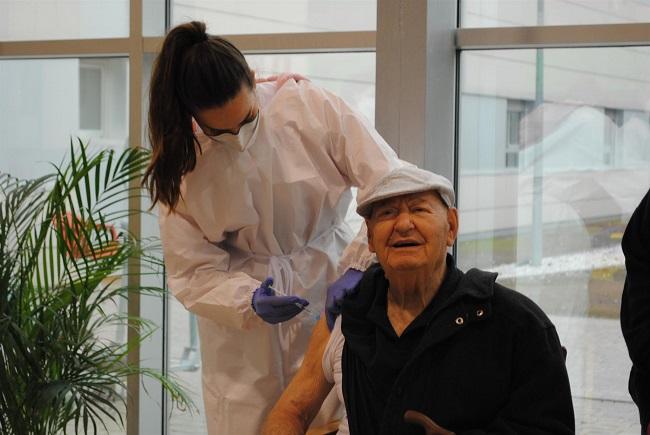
337 291
275 309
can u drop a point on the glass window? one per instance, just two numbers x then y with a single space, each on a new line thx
153 17
517 110
355 82
508 13
231 17
554 150
58 19
90 98
46 103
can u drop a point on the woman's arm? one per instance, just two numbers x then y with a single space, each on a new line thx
198 277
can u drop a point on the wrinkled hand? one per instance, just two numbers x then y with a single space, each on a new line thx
275 309
430 427
281 79
338 291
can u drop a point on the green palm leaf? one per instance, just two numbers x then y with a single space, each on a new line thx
59 249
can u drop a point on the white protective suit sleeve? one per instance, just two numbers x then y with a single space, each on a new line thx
363 156
196 274
356 255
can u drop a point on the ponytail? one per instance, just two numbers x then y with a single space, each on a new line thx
194 71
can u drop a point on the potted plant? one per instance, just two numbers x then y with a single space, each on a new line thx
58 252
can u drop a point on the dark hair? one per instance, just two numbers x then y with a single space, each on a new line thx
193 71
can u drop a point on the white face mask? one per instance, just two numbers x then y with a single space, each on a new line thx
243 138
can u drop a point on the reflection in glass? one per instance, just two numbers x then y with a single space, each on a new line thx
585 142
508 13
45 103
231 17
58 19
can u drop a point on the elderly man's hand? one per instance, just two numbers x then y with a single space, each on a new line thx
430 427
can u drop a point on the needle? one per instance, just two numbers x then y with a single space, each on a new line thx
297 304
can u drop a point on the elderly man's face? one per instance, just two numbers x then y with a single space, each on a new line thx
412 231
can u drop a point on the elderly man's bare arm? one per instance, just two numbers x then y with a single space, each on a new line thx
304 396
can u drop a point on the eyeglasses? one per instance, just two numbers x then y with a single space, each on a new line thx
212 132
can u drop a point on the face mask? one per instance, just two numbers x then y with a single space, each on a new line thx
244 138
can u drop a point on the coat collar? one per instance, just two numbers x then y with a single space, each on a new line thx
467 304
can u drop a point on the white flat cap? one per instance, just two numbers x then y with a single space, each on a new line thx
402 181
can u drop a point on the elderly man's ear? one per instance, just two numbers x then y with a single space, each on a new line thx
371 245
452 220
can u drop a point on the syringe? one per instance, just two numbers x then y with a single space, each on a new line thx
297 304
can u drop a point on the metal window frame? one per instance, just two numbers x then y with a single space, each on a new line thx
134 48
134 45
416 81
591 35
136 56
417 42
488 38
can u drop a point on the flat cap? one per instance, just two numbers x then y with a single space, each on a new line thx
402 181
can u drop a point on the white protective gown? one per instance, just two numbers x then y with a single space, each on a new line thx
275 208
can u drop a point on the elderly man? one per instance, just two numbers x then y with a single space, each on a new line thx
467 354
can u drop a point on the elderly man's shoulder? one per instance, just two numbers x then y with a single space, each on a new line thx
508 304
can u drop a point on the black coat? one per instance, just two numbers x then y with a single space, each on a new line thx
635 305
490 362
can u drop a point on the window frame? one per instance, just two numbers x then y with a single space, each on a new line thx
418 44
134 48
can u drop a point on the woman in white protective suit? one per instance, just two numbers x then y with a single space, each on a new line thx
253 181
